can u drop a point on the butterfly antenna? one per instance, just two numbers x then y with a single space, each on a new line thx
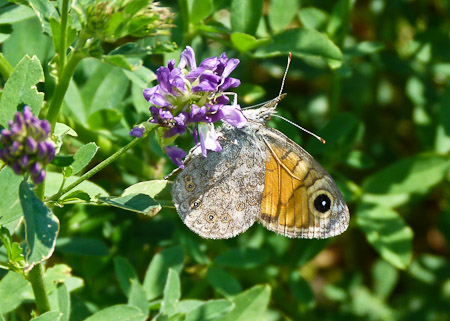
284 76
300 127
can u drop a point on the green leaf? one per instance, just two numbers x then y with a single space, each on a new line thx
104 119
27 39
71 34
49 316
44 11
159 190
385 278
313 18
172 294
245 15
13 250
137 297
245 42
139 203
76 197
10 209
210 310
156 275
246 258
83 157
281 13
364 48
118 312
60 301
109 92
62 160
21 89
223 282
141 77
301 290
125 274
249 305
13 288
61 273
41 227
15 14
416 174
338 24
117 61
200 10
54 181
62 130
302 42
388 234
81 246
186 306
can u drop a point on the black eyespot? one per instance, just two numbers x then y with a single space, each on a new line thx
322 203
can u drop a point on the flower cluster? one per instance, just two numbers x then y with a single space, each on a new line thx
193 95
26 146
137 19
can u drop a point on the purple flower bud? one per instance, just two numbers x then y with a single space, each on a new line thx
31 145
187 58
171 64
15 148
23 161
45 125
18 120
42 150
137 131
16 168
35 168
5 136
39 178
50 150
176 155
27 114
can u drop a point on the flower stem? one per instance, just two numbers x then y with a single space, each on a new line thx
5 68
61 88
63 37
36 278
96 169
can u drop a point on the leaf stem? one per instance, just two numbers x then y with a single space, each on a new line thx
63 37
5 67
36 278
96 169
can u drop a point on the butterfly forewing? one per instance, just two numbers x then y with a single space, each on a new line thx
300 198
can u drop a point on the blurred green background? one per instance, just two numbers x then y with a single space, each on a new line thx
384 110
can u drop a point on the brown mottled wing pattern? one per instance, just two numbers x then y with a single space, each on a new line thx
219 196
295 187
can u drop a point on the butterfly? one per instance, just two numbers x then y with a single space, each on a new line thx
259 176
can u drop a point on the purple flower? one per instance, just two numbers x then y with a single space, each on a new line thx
137 131
26 146
191 95
208 138
176 155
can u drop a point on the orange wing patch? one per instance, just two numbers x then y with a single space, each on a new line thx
284 206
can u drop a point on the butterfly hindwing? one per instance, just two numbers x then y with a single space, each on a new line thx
300 198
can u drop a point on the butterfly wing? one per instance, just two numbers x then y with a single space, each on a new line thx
219 196
300 198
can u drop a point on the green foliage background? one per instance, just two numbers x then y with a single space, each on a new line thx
371 77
